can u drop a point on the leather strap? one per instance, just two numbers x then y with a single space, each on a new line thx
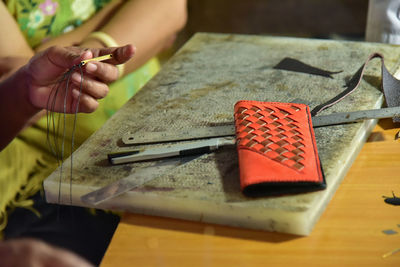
390 85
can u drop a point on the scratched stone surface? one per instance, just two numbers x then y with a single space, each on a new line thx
198 87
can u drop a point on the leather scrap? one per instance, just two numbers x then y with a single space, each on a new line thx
295 65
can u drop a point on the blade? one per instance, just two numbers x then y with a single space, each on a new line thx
138 178
229 130
186 149
355 116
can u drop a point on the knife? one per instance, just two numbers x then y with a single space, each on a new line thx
192 148
229 128
136 179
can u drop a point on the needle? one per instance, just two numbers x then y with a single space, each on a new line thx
101 58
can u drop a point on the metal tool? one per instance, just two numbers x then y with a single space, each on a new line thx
101 58
190 134
229 130
138 178
355 116
192 148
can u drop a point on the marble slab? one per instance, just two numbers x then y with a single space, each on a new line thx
198 87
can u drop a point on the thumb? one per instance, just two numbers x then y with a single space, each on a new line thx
66 57
52 62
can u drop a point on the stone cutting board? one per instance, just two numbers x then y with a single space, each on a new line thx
198 87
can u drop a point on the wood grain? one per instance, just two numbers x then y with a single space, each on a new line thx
349 232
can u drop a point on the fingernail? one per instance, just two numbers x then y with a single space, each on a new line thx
90 67
76 77
75 93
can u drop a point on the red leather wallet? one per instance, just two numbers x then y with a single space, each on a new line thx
276 149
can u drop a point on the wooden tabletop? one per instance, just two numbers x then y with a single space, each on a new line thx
357 229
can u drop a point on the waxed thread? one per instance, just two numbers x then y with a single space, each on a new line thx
74 129
54 123
51 121
50 118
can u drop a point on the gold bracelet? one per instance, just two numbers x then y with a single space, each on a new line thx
107 41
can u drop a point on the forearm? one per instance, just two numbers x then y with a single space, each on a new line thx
13 42
15 107
148 25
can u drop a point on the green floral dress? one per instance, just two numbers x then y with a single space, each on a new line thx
26 161
41 20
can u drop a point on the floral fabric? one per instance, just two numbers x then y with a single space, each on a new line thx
40 20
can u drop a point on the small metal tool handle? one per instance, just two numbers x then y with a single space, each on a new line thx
101 58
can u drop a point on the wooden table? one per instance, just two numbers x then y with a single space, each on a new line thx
349 233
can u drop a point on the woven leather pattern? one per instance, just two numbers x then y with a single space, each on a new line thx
272 131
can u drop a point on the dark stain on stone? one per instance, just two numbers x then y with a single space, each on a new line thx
322 48
105 142
102 163
127 168
153 189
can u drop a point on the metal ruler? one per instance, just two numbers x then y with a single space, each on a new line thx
229 130
136 179
188 134
182 149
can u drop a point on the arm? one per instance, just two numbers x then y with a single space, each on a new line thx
16 53
149 24
77 35
26 92
13 42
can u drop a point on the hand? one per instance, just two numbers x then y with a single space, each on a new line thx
46 68
30 252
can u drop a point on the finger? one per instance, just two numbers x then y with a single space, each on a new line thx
120 54
103 71
67 57
123 54
87 104
62 100
90 86
47 66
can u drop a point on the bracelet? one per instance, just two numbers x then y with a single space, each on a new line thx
107 41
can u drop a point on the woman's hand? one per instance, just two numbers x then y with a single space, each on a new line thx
37 86
45 69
